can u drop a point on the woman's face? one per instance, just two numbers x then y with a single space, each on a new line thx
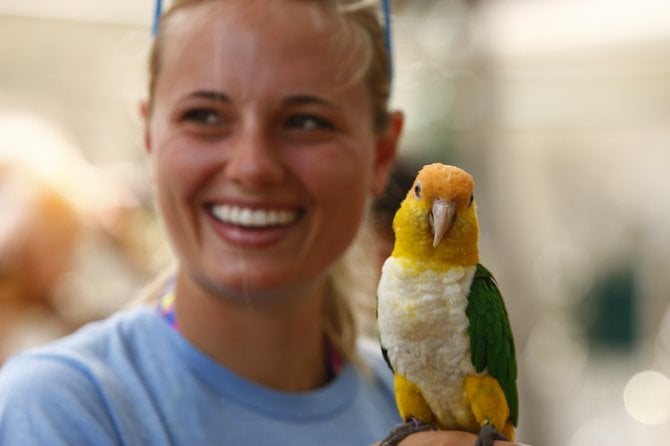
261 146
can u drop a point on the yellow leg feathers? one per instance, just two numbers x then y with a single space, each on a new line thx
482 394
488 403
410 401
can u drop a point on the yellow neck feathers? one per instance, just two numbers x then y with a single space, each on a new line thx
414 238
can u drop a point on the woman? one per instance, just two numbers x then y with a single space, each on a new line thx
267 133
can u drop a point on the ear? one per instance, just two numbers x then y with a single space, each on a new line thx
386 151
145 113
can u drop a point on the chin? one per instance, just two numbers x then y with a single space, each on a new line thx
257 287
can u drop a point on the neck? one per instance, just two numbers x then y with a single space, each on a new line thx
444 257
277 345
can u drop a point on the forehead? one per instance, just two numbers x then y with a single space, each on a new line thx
265 42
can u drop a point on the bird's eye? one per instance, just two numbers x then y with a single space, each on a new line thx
472 198
417 190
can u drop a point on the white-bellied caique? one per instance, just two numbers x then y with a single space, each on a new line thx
442 323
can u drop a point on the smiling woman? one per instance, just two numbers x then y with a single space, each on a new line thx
267 134
276 131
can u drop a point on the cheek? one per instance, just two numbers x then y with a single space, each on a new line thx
177 162
165 170
179 169
339 178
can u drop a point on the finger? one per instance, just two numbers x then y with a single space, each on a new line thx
447 438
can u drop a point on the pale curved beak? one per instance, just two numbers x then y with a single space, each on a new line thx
442 217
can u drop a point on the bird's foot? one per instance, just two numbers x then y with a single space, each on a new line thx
488 435
403 430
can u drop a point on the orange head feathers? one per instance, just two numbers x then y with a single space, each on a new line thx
437 220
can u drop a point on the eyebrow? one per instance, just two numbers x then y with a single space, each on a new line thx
309 100
301 99
211 95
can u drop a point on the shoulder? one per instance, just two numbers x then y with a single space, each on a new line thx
89 353
62 389
379 408
41 396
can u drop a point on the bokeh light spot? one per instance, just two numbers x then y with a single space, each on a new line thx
647 398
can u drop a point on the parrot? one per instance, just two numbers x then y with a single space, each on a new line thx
442 323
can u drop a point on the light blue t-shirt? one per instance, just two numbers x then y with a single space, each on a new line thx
133 380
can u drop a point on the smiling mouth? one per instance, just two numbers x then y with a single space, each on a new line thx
253 218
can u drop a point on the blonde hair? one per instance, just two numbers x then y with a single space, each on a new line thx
351 282
363 13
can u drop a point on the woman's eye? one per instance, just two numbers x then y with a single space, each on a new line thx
307 122
203 117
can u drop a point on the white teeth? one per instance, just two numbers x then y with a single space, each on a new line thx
256 218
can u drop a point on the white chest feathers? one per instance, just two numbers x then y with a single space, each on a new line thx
423 326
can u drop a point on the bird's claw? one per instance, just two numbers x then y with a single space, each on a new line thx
403 430
488 435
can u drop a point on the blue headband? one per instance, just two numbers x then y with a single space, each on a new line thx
386 9
157 17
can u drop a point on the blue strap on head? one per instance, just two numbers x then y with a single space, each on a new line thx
157 17
386 9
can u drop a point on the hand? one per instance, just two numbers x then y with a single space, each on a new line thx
446 438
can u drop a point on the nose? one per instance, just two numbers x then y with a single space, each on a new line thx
254 160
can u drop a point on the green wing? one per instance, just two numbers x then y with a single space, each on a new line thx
491 341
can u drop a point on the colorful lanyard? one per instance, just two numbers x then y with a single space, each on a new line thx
166 309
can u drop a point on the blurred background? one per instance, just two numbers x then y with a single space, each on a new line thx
559 108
